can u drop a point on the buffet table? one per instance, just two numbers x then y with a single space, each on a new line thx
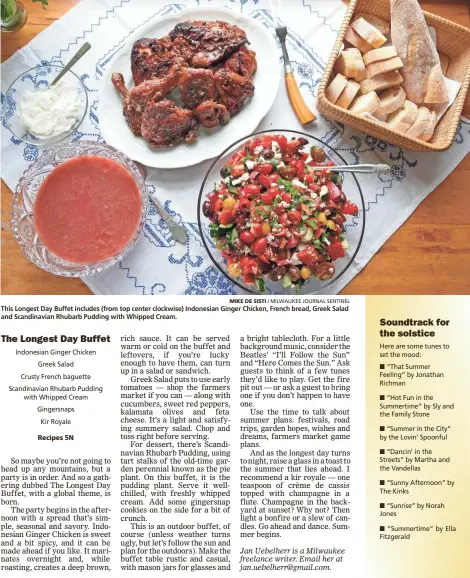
429 254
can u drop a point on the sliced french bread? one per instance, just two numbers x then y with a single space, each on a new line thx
365 103
429 130
348 94
361 69
421 123
346 64
384 66
382 25
337 85
381 82
369 32
403 118
357 41
380 54
380 117
391 100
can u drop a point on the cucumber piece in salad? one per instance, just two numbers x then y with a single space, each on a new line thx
286 282
214 231
260 284
232 236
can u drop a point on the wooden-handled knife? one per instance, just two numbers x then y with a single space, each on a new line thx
303 113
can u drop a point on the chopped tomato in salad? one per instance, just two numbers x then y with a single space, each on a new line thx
279 212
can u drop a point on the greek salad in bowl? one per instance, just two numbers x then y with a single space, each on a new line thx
279 213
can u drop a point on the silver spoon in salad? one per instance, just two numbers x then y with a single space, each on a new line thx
364 169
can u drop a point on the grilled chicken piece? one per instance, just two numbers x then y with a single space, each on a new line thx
154 58
234 90
211 114
164 124
197 85
118 80
137 99
209 63
243 62
204 44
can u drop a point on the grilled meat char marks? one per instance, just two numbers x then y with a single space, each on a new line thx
164 124
197 85
211 114
154 58
243 62
212 68
234 90
204 44
138 98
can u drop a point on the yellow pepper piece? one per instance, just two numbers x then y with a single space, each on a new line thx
322 218
305 272
266 228
234 270
229 203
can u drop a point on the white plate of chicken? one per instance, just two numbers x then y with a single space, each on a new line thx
187 85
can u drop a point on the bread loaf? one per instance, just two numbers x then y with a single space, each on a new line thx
346 64
429 131
421 123
338 84
361 69
380 54
391 100
423 79
348 94
379 116
381 82
403 118
366 103
353 38
357 53
369 32
384 66
382 25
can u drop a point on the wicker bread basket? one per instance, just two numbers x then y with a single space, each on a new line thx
452 40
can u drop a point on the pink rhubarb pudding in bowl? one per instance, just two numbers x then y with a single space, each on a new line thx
87 209
84 214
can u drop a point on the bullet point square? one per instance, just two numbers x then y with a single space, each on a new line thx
382 397
382 428
382 451
382 528
382 505
382 482
382 366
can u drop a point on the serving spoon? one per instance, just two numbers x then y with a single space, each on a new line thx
177 231
83 50
377 169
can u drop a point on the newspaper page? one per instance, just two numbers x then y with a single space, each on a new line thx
227 348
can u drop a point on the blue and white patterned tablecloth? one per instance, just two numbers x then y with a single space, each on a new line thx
158 265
